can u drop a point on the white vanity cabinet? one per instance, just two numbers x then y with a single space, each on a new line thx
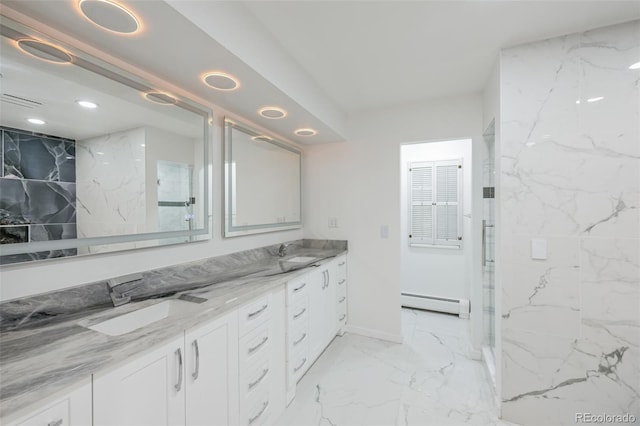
341 293
187 381
261 360
72 409
316 312
211 361
148 390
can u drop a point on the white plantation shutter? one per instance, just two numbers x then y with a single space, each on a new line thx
435 216
421 199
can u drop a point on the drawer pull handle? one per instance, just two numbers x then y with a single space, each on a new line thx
295 369
259 311
300 339
342 317
341 263
297 289
55 423
342 281
197 351
296 316
259 379
178 385
259 345
257 416
343 299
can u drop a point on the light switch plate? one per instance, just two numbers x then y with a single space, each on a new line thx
384 232
538 248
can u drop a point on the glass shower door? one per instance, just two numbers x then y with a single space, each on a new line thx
175 196
488 248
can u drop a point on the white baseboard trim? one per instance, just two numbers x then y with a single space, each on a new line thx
376 334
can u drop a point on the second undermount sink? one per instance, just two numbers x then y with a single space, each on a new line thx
301 259
131 321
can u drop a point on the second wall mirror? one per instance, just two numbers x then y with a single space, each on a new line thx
262 183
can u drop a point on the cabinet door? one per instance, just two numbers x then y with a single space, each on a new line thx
73 409
211 372
317 302
331 303
147 391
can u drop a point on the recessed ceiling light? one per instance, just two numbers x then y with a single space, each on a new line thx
578 101
635 66
142 145
87 104
110 16
44 51
221 81
599 98
272 112
36 121
160 98
100 153
306 132
261 138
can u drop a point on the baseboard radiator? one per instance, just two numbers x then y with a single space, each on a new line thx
459 307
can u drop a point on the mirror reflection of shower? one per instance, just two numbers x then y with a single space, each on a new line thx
176 199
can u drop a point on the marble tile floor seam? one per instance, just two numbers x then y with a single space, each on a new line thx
427 380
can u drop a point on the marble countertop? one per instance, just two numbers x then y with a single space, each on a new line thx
44 358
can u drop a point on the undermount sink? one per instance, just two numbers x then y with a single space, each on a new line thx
142 317
301 259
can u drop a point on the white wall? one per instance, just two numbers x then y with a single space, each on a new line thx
441 272
358 183
22 280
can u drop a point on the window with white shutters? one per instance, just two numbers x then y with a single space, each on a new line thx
435 197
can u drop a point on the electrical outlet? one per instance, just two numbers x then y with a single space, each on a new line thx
333 222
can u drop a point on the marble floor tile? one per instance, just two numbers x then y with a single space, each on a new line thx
427 380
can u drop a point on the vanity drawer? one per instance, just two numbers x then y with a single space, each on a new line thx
341 290
298 337
341 268
299 363
254 314
297 289
254 347
56 415
255 410
298 313
342 312
256 379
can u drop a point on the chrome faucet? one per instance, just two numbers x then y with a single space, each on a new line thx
120 298
282 251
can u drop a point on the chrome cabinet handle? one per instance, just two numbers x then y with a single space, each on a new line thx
296 316
341 263
259 311
295 369
300 339
178 386
342 317
484 243
295 290
197 350
259 379
264 407
342 281
55 423
343 299
259 345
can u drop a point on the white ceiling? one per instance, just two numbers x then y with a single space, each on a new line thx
325 60
373 54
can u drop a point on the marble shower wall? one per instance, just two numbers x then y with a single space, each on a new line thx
111 186
37 191
570 174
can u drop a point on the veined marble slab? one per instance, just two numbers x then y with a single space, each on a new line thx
45 347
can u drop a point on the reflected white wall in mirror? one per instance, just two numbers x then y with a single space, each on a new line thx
262 182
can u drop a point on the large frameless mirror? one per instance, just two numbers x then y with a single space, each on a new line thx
262 183
94 159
